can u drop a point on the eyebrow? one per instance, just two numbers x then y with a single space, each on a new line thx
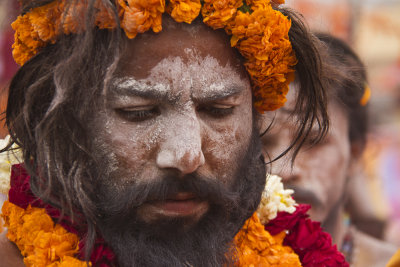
133 88
215 95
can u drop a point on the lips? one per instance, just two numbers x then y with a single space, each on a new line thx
180 204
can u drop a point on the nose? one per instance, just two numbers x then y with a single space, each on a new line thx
181 147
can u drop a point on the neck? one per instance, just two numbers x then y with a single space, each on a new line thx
335 225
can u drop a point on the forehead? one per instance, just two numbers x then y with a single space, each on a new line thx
338 115
141 54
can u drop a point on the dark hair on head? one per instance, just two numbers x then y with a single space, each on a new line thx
348 87
310 107
51 96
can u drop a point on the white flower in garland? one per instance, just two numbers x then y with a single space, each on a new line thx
7 159
275 199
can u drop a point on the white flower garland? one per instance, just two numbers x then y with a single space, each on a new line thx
275 199
7 159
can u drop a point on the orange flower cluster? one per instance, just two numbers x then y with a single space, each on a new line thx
41 242
184 10
258 31
138 16
262 38
217 13
42 25
256 247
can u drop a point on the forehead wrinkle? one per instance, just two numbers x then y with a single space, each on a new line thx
133 88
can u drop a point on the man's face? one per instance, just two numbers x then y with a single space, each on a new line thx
320 172
173 139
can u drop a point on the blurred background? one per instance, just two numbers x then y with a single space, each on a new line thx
372 28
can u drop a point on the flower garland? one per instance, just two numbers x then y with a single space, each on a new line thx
288 239
40 241
259 32
7 159
274 199
43 243
307 238
257 247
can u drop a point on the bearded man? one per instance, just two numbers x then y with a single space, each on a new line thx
143 147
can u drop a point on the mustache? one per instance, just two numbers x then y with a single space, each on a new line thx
304 195
132 196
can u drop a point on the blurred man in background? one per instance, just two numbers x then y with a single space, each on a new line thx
322 173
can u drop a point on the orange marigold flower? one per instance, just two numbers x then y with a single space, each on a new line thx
25 45
258 31
73 17
218 13
184 10
256 247
139 16
278 2
41 242
105 18
262 38
42 20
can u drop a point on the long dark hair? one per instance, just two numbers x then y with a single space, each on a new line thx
51 95
348 88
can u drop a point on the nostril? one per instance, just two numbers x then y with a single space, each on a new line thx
165 159
187 162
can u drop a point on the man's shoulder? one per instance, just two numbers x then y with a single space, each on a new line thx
9 253
371 251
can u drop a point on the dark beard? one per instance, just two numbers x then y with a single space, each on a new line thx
207 242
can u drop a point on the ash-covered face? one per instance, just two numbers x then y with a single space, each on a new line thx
177 151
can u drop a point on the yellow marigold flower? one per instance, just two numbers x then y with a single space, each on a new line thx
184 10
41 242
256 247
141 15
218 13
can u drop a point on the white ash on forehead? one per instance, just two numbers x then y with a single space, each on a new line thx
184 73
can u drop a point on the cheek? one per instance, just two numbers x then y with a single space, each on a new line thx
126 150
328 167
225 145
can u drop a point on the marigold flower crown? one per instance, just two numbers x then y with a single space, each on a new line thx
259 32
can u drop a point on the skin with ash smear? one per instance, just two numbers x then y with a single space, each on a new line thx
177 150
182 112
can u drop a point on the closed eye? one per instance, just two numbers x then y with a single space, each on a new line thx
217 110
138 114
